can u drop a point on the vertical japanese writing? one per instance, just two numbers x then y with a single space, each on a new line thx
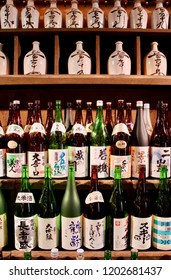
52 16
75 230
36 162
59 166
139 22
24 231
162 18
28 18
74 18
7 22
96 19
144 234
120 15
49 232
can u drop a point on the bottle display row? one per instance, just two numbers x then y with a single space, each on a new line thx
100 140
74 17
79 61
94 225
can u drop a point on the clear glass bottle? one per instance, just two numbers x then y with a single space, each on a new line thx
138 16
74 16
53 16
48 214
159 16
147 119
9 15
95 16
71 214
30 15
3 219
117 16
25 218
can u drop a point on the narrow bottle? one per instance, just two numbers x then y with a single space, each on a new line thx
25 218
54 253
141 218
71 214
48 214
120 118
128 117
100 143
58 152
118 215
37 150
80 254
161 233
166 116
27 254
30 15
95 16
159 144
3 219
9 15
89 121
68 117
10 114
94 215
77 144
147 119
15 153
74 16
134 254
107 255
49 121
109 118
2 151
29 122
139 143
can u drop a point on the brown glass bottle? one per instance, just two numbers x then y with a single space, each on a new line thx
128 117
15 153
141 218
77 144
120 118
159 144
108 118
29 122
10 114
37 150
94 215
89 121
49 121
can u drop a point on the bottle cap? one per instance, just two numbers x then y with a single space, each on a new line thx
146 105
54 252
99 102
80 251
139 103
16 102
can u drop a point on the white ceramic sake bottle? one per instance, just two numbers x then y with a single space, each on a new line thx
119 62
95 16
35 62
79 62
117 16
9 15
138 16
30 16
4 62
53 16
74 17
155 62
159 16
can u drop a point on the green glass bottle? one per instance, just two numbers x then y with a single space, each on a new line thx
118 215
48 215
107 255
161 229
25 218
3 219
58 152
134 254
71 214
100 144
27 254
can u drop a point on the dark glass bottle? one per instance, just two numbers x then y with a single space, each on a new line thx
139 143
166 116
58 152
134 254
27 254
49 121
128 117
120 117
2 151
161 238
10 114
159 144
15 153
100 143
29 122
37 150
48 215
141 218
118 215
3 219
77 144
68 117
94 216
147 119
71 214
25 218
89 121
109 118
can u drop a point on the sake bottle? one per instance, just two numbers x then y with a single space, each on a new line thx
25 218
118 215
58 152
49 121
109 118
159 16
120 118
71 214
141 218
48 215
30 15
68 117
3 219
27 127
138 16
74 16
94 215
2 151
89 121
100 143
147 119
53 16
128 117
9 15
95 16
161 231
117 16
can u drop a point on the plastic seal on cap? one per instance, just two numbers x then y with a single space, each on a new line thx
99 103
146 105
139 104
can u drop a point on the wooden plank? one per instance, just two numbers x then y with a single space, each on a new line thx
17 53
56 54
138 55
97 54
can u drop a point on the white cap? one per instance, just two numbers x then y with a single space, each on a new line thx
54 252
139 103
16 101
146 105
99 102
80 251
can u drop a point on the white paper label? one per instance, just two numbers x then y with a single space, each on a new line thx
57 126
2 162
94 233
71 229
36 163
79 128
14 164
14 128
1 131
25 197
120 233
58 159
48 232
3 230
124 162
139 155
25 232
159 155
100 155
93 197
120 127
37 127
140 234
161 233
79 156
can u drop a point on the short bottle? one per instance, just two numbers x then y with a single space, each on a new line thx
30 15
54 254
9 15
117 16
147 119
3 219
27 254
159 16
74 16
53 16
134 254
107 255
95 16
80 254
138 16
4 62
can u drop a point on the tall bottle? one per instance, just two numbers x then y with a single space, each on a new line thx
95 16
29 122
166 116
128 117
68 117
109 118
161 233
118 215
9 15
2 151
89 121
11 113
3 219
139 143
120 118
48 215
58 152
77 144
94 215
74 16
25 218
30 15
141 218
100 143
49 121
71 214
147 119
159 144
37 150
15 154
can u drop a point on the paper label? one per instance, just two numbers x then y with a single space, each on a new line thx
14 128
120 127
100 155
71 229
159 155
57 126
36 163
94 233
120 233
25 197
79 128
161 233
3 230
37 127
124 162
58 160
2 162
14 164
93 197
79 156
139 155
